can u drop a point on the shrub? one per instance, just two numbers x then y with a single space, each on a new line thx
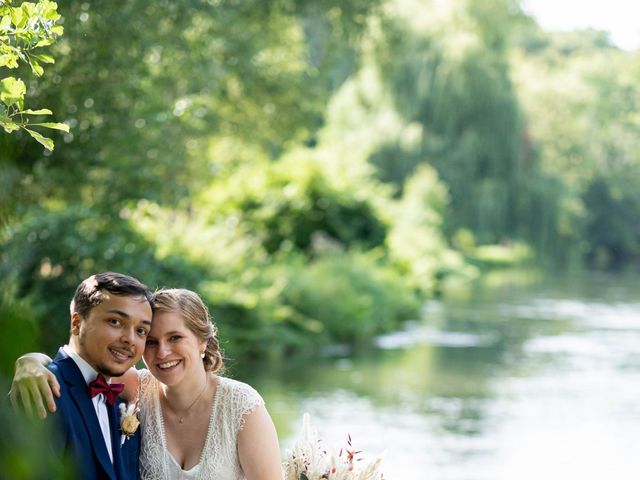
352 296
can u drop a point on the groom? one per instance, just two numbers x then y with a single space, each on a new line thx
110 318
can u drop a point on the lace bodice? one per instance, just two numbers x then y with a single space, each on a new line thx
219 459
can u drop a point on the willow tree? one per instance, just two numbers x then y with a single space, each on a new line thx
451 76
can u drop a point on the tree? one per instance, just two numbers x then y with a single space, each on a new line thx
24 30
452 79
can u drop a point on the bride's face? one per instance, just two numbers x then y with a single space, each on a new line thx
172 352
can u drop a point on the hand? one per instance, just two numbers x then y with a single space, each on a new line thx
33 381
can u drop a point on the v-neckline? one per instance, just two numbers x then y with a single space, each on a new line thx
163 434
175 462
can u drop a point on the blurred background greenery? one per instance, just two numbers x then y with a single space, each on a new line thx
314 169
317 170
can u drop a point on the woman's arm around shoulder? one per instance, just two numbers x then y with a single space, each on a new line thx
258 446
33 382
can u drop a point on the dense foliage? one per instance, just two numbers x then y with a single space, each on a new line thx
24 31
315 169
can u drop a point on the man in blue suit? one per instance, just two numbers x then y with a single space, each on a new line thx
110 318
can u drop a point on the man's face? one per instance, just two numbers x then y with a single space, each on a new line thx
111 338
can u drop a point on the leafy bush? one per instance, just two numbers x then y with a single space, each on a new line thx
25 448
52 251
416 242
352 296
17 323
611 231
289 202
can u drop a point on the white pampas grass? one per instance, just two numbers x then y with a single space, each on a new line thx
308 459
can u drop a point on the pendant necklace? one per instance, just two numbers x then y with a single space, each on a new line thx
181 419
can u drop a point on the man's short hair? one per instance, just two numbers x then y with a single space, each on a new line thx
89 293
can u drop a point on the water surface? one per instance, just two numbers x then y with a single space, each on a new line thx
521 378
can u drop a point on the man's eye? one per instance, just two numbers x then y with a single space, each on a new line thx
114 321
142 332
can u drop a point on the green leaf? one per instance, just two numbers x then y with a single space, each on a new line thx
9 60
28 10
5 23
55 126
50 10
45 58
45 42
12 91
36 68
42 111
8 124
16 16
44 141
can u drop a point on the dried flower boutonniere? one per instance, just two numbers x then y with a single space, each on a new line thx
129 423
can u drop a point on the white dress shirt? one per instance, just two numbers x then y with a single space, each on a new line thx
99 401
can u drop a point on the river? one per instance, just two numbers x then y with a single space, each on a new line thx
520 377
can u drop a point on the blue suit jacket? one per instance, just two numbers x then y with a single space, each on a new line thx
79 429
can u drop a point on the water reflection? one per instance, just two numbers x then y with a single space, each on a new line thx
510 383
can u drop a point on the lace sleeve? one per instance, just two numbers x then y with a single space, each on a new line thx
145 387
247 399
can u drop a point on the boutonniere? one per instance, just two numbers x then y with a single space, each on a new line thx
129 423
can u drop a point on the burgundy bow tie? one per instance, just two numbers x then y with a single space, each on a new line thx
110 390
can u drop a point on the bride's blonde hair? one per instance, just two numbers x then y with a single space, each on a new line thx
196 318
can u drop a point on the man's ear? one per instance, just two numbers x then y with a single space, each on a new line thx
75 323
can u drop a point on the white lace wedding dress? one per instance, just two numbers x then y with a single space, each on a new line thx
219 458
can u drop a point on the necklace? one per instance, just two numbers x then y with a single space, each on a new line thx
181 418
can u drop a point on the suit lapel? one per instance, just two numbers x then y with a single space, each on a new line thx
116 443
79 393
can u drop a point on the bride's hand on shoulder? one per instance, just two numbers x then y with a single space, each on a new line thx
130 380
34 385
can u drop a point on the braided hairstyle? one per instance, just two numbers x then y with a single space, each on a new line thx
196 318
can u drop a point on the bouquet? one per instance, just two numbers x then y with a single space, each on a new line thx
309 460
